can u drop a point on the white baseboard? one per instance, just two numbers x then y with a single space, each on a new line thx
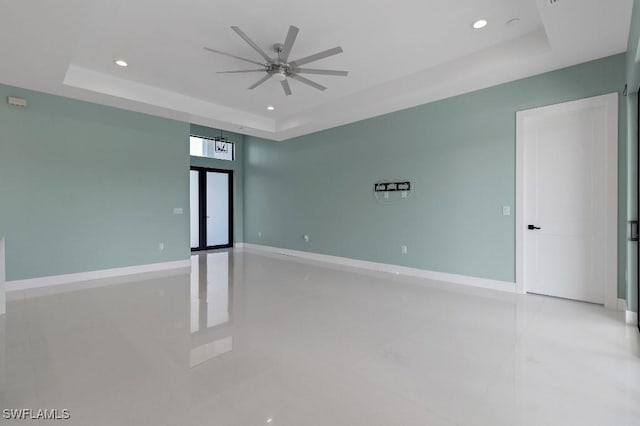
3 304
630 317
622 305
54 280
385 267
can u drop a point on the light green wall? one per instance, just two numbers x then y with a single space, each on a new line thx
633 82
85 187
236 166
632 188
633 68
459 153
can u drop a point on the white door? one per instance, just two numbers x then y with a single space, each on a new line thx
565 201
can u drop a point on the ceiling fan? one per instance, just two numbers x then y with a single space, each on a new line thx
280 66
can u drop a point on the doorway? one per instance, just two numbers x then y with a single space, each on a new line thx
566 200
211 202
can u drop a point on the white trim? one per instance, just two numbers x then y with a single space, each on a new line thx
385 267
3 303
622 305
610 103
54 280
631 318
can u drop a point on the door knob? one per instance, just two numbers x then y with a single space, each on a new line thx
531 227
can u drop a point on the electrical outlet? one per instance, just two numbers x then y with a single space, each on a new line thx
404 194
305 237
160 246
177 210
506 210
404 249
386 195
259 234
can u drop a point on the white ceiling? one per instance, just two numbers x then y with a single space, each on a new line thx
400 53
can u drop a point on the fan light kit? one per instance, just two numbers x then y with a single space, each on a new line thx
280 66
121 63
271 107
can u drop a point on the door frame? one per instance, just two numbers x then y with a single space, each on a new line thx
610 103
202 206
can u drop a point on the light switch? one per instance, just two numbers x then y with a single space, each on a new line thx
506 210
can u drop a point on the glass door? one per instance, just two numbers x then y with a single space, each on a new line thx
211 208
218 214
194 205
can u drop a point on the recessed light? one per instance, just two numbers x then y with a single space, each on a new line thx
271 107
121 63
269 420
480 23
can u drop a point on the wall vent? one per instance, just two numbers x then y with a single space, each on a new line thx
19 102
552 2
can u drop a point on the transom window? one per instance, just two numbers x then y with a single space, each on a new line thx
220 148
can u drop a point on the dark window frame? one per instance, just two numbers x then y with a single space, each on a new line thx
202 207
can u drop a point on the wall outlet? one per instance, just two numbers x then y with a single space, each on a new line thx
160 246
259 234
404 249
177 210
404 194
305 237
386 195
506 210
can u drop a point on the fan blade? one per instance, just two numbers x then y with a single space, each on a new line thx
252 44
316 57
288 43
308 82
286 87
233 56
259 82
323 72
237 71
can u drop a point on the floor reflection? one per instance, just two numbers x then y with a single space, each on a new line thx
211 291
254 339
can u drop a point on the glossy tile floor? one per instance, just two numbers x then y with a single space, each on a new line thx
249 339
